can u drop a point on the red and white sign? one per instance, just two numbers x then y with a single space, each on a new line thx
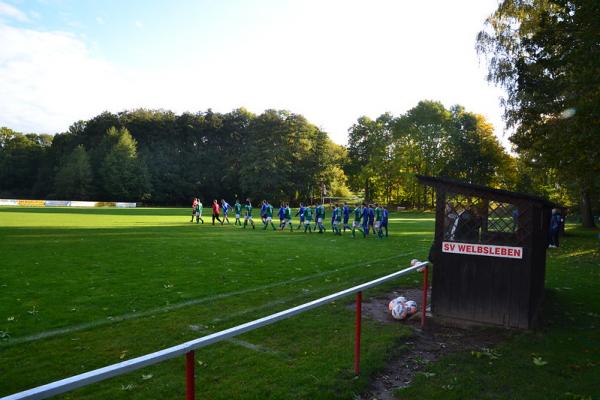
482 250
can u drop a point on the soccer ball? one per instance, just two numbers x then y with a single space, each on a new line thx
411 307
397 300
399 311
414 262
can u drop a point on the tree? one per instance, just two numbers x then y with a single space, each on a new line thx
73 180
124 176
20 160
546 55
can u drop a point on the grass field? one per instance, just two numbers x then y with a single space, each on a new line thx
83 288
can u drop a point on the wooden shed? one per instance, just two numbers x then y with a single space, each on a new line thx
489 254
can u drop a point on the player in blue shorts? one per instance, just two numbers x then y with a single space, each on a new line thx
372 218
225 207
346 214
301 214
263 210
384 221
365 220
281 214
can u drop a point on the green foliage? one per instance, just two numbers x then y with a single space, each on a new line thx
21 157
123 175
545 54
168 158
74 178
386 154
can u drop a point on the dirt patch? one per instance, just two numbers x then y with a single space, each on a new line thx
423 346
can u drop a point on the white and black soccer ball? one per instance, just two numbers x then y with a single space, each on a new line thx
397 300
399 311
411 307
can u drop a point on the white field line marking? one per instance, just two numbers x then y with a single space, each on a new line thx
159 310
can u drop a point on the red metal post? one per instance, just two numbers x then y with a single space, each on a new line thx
357 337
190 384
424 302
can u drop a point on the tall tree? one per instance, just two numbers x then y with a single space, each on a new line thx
124 176
73 180
546 54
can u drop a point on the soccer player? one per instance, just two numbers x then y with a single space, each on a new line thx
337 220
384 220
307 218
194 204
199 211
346 212
238 212
269 216
365 220
248 214
287 218
371 218
263 212
378 217
301 214
281 214
356 222
320 214
225 207
216 211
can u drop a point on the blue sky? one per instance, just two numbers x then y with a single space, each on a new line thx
330 60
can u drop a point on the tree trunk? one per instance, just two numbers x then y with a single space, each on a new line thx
367 190
587 218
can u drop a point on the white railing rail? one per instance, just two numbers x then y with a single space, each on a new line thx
187 348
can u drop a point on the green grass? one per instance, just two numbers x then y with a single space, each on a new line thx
566 348
83 288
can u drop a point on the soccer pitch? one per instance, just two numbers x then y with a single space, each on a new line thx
84 288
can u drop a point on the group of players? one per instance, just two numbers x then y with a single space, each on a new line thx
366 217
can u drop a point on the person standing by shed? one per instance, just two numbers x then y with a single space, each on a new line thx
554 231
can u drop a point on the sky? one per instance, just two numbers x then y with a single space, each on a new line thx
330 60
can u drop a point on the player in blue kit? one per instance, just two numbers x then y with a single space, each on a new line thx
263 212
384 221
372 218
225 207
365 220
346 214
301 214
281 214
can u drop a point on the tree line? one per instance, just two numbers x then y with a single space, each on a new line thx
159 157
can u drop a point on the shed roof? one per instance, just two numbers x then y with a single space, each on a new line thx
480 190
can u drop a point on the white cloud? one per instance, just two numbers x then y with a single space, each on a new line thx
139 24
12 12
49 80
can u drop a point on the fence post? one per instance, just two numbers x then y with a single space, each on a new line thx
357 337
190 384
424 302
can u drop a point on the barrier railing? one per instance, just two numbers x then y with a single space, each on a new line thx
188 348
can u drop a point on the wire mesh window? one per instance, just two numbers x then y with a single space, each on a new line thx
475 219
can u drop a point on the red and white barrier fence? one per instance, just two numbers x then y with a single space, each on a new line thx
188 348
